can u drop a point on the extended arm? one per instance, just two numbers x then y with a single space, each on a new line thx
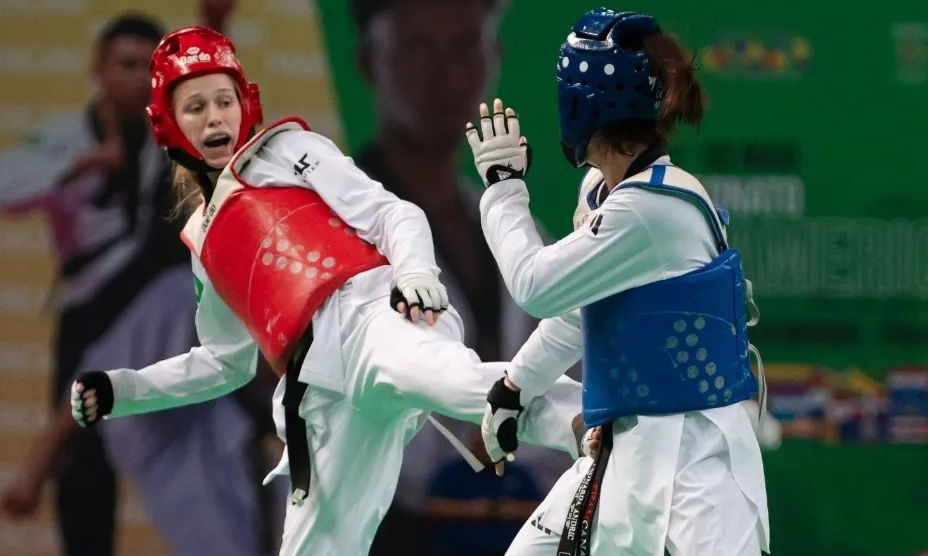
397 228
608 254
552 348
224 362
32 168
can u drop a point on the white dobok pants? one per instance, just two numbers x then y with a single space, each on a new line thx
671 481
395 373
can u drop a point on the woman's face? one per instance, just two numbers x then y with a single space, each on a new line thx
208 113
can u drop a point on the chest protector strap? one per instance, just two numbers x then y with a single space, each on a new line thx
274 253
671 346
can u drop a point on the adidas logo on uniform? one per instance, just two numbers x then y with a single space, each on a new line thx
503 175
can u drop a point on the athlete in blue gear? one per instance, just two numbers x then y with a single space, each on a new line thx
648 291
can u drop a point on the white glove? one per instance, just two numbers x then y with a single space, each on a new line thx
503 153
414 292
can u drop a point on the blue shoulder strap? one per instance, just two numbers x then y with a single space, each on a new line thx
713 216
592 196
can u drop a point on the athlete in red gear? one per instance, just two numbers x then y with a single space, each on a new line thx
296 252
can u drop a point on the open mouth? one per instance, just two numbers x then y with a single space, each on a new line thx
217 141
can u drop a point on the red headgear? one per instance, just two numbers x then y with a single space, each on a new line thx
192 52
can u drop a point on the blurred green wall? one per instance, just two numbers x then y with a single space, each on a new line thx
813 139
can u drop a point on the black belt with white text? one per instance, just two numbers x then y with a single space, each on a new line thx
577 537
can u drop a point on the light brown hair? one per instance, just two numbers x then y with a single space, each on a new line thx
188 193
684 99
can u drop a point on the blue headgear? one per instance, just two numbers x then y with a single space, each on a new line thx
599 81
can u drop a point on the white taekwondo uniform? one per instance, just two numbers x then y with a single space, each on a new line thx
373 376
692 482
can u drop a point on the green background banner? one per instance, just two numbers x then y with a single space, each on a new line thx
816 124
814 140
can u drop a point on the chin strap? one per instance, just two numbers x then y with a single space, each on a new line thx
200 170
190 162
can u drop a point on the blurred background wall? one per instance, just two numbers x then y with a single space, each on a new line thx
814 141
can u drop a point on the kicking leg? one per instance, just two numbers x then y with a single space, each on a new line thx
399 364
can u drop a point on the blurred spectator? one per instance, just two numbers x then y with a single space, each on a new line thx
215 13
428 63
125 300
478 514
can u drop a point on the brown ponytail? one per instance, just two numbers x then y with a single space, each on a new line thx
684 100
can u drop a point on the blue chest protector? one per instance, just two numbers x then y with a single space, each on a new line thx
671 346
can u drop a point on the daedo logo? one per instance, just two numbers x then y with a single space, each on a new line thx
194 56
210 212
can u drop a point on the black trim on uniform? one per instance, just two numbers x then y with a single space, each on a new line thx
294 425
646 158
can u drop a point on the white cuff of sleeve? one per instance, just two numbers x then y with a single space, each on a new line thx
529 389
499 190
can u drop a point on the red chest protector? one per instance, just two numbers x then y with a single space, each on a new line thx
274 254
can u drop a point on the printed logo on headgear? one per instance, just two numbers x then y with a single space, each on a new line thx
194 56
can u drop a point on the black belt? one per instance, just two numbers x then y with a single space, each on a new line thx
577 537
295 426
